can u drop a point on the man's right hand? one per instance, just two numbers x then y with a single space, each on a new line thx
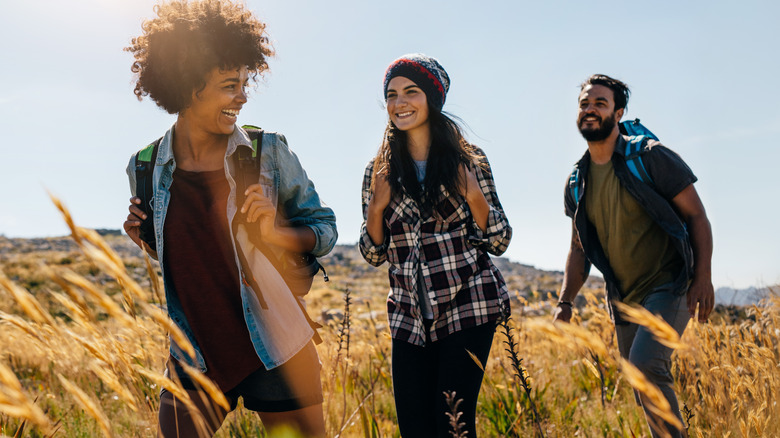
562 313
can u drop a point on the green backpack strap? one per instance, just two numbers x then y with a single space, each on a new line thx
256 135
144 188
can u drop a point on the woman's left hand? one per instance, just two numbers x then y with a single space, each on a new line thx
468 182
259 208
472 193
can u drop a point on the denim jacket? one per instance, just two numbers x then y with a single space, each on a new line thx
278 330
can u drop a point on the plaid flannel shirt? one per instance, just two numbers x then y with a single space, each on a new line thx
464 287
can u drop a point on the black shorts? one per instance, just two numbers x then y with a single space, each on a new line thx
293 385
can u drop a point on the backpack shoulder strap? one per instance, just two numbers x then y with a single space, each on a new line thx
638 136
144 187
144 168
256 135
635 128
574 185
634 149
247 164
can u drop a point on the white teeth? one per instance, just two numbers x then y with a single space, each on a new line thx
404 114
232 113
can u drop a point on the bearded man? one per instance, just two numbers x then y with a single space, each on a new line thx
651 239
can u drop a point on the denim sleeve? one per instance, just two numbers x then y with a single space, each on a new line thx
301 202
131 174
498 233
374 254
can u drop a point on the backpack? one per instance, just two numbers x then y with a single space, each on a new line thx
638 135
298 270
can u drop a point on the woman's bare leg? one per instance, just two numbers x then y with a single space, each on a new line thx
176 420
309 421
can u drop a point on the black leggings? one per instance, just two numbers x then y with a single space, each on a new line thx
422 374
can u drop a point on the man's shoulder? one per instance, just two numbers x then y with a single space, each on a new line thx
653 145
668 172
659 154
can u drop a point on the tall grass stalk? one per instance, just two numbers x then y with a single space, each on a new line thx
520 373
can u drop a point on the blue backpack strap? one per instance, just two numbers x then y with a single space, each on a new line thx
633 128
638 135
633 154
574 185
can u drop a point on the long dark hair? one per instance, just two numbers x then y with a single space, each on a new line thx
449 149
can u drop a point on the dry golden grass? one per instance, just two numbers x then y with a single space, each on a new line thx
84 350
662 332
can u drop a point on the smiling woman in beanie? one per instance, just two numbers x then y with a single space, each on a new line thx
431 211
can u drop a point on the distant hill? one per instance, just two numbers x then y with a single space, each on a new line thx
743 297
524 280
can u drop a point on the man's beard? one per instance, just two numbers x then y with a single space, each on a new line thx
605 128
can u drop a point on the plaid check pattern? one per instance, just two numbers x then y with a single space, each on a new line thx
465 288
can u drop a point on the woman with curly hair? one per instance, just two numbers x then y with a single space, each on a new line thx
249 334
431 211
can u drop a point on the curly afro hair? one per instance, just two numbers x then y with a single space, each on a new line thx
187 40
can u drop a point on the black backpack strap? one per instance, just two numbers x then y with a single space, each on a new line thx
145 160
247 163
247 167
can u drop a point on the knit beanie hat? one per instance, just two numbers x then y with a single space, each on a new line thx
424 71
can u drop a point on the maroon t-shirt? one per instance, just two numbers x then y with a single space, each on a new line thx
202 268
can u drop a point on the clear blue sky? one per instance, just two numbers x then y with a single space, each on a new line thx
704 76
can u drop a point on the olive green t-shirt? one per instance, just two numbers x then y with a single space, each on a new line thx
640 253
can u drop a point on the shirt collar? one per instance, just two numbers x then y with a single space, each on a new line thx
620 146
239 137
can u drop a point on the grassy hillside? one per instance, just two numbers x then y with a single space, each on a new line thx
83 344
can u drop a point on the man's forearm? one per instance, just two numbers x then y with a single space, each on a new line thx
577 269
575 274
701 243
